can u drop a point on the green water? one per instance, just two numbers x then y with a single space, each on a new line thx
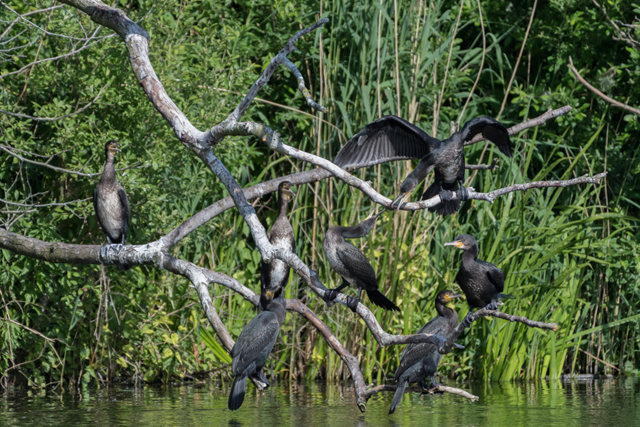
593 403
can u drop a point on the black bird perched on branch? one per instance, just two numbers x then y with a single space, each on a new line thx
110 202
254 345
481 281
420 361
352 265
275 275
392 138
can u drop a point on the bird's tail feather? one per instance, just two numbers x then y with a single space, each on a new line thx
124 267
398 396
378 298
442 208
237 393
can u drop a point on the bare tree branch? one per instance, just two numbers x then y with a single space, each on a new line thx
493 313
437 389
302 87
43 205
600 94
622 34
15 21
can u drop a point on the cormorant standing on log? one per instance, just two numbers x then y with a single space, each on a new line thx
420 361
481 281
392 138
110 202
254 344
275 275
352 265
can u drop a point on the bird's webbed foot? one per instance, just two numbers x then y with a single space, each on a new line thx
352 303
434 385
265 382
445 195
398 201
463 193
468 320
330 295
493 305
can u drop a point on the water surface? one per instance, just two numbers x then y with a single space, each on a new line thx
577 403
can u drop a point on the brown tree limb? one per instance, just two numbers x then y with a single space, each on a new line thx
437 389
600 94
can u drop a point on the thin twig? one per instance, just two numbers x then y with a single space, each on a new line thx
600 94
55 168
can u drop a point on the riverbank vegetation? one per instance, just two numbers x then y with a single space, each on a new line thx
571 255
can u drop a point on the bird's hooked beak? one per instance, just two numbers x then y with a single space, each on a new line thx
451 297
400 200
456 243
114 148
375 215
286 190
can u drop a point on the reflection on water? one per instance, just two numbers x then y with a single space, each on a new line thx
583 404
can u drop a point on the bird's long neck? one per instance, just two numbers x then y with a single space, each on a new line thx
443 310
277 308
456 141
109 170
282 205
470 254
359 230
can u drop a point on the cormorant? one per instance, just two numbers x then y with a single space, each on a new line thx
481 281
275 275
110 202
352 265
392 138
254 344
420 361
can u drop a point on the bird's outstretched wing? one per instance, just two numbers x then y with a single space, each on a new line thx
491 129
388 138
358 265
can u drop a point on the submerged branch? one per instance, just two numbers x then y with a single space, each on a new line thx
437 389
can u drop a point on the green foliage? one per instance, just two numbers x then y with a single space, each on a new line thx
571 255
